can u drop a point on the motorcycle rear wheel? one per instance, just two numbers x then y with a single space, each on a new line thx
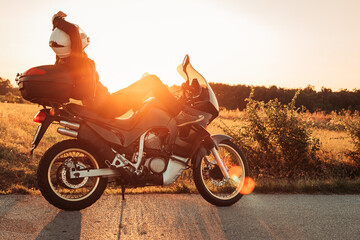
54 180
209 179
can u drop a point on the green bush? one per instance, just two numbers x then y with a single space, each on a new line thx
352 126
276 141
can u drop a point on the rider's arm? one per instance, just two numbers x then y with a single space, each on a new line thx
72 31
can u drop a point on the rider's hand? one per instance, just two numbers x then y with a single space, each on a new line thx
59 14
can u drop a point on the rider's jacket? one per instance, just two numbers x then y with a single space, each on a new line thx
87 86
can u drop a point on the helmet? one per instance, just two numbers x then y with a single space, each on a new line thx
60 42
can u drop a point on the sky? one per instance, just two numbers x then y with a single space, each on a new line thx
289 44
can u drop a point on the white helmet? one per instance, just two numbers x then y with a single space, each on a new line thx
60 42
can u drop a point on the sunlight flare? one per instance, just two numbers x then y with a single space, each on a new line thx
235 173
248 187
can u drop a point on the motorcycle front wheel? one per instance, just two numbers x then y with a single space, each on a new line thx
54 179
210 181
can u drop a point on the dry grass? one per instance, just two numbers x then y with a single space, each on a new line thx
17 169
333 138
17 130
335 143
328 186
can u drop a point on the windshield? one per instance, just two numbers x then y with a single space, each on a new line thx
202 91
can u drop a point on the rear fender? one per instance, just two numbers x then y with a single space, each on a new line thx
41 129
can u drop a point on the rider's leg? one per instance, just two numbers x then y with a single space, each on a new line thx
122 101
152 84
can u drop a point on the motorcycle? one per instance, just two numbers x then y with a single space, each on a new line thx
146 149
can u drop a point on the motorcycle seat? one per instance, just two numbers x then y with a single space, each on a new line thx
84 112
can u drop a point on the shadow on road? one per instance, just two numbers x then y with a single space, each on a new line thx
164 217
123 205
66 225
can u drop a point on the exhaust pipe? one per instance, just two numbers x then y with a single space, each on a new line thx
73 126
67 132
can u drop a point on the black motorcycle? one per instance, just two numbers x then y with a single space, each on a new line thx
146 149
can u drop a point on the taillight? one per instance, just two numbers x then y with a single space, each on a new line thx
34 71
39 117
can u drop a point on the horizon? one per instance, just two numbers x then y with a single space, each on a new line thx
14 85
283 44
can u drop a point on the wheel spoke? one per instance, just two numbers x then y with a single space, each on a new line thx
213 179
60 181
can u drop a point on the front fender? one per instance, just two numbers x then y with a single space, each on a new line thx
218 138
204 151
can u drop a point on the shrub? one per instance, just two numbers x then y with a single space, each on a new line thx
276 140
352 126
11 98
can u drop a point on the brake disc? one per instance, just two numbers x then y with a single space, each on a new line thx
65 175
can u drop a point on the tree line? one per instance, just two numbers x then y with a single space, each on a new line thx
233 97
8 93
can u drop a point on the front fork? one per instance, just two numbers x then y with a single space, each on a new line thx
220 163
211 142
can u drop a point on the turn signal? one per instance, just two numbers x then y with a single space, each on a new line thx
52 112
39 117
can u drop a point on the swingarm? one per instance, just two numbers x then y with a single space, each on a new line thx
103 172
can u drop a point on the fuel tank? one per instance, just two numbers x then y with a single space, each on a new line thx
152 118
152 115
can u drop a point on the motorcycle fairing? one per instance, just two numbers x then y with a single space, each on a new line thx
153 118
87 135
205 99
106 134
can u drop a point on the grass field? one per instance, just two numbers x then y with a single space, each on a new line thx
335 142
18 169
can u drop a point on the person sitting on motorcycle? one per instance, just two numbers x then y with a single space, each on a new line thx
68 42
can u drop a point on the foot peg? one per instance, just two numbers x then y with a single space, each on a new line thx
111 166
115 164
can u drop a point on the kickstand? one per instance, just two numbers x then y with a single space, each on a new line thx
123 192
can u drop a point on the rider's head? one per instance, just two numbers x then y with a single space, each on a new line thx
60 42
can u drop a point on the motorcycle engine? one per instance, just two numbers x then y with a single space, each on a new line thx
156 164
153 140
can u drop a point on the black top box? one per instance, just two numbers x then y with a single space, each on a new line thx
46 85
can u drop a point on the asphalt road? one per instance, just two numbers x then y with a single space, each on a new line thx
183 216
